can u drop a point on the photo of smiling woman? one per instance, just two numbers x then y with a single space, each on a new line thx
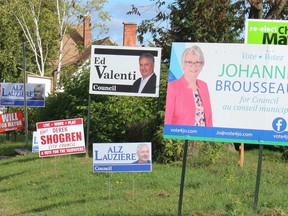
188 100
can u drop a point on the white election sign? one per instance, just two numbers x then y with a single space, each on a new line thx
61 137
119 70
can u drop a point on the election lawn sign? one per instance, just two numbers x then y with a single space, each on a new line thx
119 157
248 86
12 94
114 69
262 31
61 137
48 81
11 121
35 143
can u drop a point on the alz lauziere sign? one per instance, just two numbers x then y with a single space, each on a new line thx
228 93
122 157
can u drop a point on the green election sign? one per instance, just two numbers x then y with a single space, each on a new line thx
266 31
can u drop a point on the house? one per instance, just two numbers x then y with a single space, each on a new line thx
78 40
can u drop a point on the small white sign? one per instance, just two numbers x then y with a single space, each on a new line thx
35 146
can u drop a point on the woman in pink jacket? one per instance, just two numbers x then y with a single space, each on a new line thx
188 100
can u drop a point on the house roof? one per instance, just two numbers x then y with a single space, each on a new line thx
73 50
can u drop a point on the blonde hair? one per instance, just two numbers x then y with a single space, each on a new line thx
195 50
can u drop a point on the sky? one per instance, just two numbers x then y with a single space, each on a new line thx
118 9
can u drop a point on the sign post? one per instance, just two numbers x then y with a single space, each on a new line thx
228 93
262 31
25 95
182 178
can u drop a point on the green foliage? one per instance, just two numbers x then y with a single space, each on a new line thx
212 152
285 154
112 118
195 21
38 22
203 154
10 47
167 150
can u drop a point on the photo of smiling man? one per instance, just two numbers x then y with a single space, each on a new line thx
147 82
143 154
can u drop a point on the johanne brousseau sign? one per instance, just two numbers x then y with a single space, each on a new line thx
241 93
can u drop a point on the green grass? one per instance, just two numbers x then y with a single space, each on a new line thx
66 185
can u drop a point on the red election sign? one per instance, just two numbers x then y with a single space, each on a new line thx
61 137
11 121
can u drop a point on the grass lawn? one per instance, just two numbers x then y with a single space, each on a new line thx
66 185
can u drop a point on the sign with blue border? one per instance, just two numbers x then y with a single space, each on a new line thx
122 157
35 144
12 94
232 93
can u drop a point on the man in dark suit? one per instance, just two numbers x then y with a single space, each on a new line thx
147 83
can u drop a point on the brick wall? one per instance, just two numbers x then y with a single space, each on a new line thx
129 37
87 35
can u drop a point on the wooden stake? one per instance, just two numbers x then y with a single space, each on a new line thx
241 155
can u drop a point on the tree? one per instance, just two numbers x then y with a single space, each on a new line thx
268 9
10 47
195 21
37 21
204 21
44 24
69 11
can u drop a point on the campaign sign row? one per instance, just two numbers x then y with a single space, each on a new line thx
66 137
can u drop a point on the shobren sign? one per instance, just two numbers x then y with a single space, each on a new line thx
61 137
248 91
266 32
115 69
